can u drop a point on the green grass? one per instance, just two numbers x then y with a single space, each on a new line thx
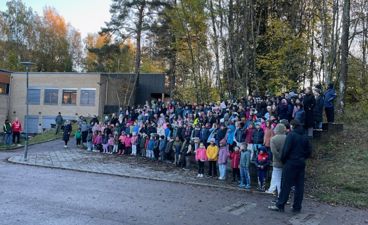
40 138
338 172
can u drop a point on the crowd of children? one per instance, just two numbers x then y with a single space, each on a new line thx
238 132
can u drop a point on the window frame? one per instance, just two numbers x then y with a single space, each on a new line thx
39 96
57 96
69 90
81 96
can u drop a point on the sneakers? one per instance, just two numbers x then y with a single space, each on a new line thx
275 208
241 185
247 187
65 146
199 175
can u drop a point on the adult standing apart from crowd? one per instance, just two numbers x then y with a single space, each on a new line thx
16 129
309 103
277 144
84 129
330 96
297 149
318 109
67 132
59 122
7 128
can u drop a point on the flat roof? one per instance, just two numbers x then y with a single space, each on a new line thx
58 73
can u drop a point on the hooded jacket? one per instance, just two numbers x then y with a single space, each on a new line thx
330 96
277 144
223 155
212 152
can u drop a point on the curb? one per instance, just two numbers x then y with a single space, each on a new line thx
143 178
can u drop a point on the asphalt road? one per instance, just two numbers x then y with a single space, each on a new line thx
33 195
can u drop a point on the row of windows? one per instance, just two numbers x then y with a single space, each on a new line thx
69 97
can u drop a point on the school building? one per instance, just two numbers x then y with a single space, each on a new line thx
74 94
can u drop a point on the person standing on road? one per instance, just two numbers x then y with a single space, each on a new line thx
277 144
67 132
296 150
212 155
16 129
7 128
59 122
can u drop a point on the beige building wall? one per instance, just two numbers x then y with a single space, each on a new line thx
59 81
4 103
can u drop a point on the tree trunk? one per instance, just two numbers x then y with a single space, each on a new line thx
326 75
216 45
311 64
364 45
138 53
344 54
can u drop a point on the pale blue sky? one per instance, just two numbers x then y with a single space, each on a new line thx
87 16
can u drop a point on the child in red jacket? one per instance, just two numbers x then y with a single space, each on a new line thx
235 159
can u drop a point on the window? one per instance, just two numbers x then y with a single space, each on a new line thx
88 97
3 89
51 96
34 96
69 97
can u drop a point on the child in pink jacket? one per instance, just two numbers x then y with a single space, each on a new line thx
201 157
127 144
134 140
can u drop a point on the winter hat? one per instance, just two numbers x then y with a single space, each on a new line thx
212 140
262 148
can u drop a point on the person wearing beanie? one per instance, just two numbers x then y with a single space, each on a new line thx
212 155
262 163
277 143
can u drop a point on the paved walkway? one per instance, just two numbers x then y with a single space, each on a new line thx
127 166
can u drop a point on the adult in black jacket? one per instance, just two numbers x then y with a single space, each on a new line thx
309 103
296 150
318 109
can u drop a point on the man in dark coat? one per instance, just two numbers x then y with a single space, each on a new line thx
59 123
296 150
309 102
330 96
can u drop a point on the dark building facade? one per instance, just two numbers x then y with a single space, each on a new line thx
116 89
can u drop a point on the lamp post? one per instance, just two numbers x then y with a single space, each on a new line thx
27 65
